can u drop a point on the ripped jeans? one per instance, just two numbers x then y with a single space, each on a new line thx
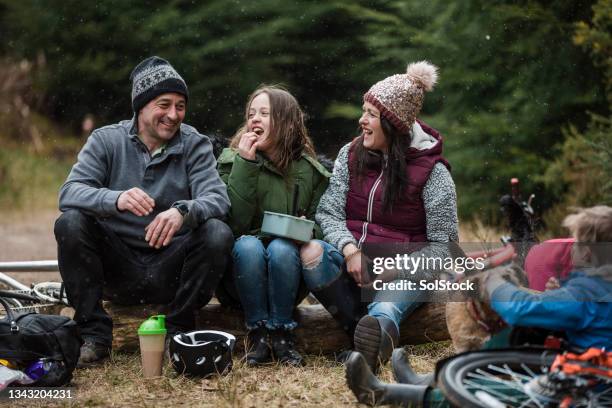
330 267
267 280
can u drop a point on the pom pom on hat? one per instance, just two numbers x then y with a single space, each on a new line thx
423 72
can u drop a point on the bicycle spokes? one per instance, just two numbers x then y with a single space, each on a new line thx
521 379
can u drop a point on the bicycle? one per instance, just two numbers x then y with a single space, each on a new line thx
528 378
506 378
522 223
44 297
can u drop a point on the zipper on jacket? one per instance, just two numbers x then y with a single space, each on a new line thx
364 228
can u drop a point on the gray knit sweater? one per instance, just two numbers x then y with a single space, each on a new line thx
439 199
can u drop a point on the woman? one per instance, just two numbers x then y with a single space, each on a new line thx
390 185
269 158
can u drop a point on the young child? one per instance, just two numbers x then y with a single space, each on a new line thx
581 306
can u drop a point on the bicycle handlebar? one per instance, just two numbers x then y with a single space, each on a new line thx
30 266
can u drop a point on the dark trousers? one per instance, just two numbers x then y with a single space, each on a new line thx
96 264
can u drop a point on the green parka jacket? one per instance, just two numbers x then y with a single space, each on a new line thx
257 186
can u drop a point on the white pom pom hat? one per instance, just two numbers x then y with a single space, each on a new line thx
400 97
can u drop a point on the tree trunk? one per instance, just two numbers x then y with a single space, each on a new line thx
317 332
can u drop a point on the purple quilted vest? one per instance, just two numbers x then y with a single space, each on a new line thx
406 223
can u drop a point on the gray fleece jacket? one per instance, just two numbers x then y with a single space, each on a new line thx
114 159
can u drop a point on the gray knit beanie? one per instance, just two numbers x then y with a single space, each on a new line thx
152 77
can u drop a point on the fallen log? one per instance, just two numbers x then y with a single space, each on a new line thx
317 332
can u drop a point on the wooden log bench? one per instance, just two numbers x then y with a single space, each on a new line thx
317 332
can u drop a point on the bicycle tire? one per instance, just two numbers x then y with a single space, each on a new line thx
24 302
18 295
453 376
43 297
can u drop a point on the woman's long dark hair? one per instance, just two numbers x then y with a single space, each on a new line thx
394 169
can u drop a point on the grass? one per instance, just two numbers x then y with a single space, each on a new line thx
32 173
119 383
29 181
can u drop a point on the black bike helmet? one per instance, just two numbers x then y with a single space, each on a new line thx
202 352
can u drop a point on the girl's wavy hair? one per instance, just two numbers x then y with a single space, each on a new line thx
395 177
288 133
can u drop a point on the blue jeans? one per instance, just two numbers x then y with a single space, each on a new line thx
330 267
267 280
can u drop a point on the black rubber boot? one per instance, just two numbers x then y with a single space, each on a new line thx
342 299
375 338
403 372
259 349
370 390
283 348
342 356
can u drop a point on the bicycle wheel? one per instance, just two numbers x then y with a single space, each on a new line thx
491 379
22 301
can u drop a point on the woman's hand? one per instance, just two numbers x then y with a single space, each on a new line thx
352 257
248 146
353 267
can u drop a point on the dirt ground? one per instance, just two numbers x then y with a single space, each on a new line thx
28 237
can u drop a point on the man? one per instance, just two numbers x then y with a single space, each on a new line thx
141 210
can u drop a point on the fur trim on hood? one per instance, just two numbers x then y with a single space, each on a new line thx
421 140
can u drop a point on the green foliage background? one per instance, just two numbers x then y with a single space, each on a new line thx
519 81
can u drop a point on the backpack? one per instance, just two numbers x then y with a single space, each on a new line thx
29 337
